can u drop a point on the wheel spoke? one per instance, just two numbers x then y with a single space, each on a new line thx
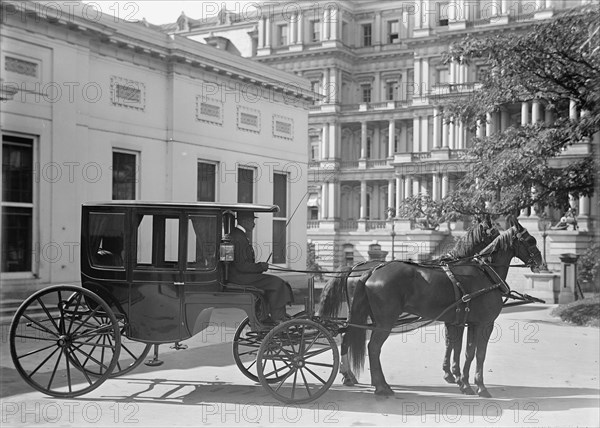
80 366
43 362
42 327
36 351
78 298
54 371
315 375
47 313
305 383
85 321
91 357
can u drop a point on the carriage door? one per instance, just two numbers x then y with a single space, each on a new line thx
157 284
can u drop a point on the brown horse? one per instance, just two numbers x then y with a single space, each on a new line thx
426 291
341 288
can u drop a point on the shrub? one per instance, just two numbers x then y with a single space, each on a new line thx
581 312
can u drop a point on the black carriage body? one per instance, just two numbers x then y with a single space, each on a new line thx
157 264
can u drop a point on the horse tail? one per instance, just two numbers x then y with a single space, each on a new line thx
333 296
355 337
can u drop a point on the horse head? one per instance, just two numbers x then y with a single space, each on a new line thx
526 245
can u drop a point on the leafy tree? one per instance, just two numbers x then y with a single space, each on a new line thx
425 212
556 61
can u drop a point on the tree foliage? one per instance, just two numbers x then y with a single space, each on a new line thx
556 61
425 212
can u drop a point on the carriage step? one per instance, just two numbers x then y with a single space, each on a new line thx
154 361
178 346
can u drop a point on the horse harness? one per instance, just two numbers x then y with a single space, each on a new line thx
463 299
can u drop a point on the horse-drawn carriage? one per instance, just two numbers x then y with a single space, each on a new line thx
152 273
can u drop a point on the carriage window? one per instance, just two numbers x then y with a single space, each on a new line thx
202 242
106 233
157 241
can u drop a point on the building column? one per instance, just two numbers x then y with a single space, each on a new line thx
451 135
334 136
536 111
436 128
425 8
334 95
539 4
533 210
524 113
480 129
416 133
573 110
376 32
417 76
461 135
452 71
490 124
267 32
445 134
424 77
390 195
326 24
391 138
333 23
363 140
261 32
504 7
435 187
548 115
363 200
334 190
416 185
445 185
300 28
424 133
407 187
325 201
399 196
325 141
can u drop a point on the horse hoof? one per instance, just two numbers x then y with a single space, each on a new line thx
467 390
386 392
484 393
449 377
348 381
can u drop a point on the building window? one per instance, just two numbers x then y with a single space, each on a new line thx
391 88
365 93
314 148
442 13
17 203
124 175
315 31
245 185
366 35
314 213
280 184
206 182
393 32
282 34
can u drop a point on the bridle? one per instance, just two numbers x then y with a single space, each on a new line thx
529 243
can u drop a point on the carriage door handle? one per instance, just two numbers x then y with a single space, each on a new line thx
178 283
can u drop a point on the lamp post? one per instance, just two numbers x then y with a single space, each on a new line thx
543 225
391 216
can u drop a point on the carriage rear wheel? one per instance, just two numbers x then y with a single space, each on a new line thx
246 344
306 352
57 332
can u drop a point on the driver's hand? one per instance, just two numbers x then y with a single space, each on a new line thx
264 266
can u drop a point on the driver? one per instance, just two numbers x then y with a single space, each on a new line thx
246 271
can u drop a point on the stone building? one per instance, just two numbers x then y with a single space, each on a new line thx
377 137
95 108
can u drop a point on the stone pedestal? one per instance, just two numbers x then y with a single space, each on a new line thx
568 278
565 242
543 285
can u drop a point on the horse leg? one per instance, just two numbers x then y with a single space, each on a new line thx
482 341
456 352
378 337
348 377
448 377
464 385
454 334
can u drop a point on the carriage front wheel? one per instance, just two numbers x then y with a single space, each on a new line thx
306 352
57 332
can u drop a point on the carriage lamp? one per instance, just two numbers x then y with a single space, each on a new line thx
226 251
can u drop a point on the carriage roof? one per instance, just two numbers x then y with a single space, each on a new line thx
238 207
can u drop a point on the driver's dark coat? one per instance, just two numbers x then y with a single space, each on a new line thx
244 269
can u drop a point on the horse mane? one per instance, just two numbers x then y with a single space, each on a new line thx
502 242
473 241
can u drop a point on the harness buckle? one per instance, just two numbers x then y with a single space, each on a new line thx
466 298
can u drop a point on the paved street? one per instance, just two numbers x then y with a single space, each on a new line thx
540 371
